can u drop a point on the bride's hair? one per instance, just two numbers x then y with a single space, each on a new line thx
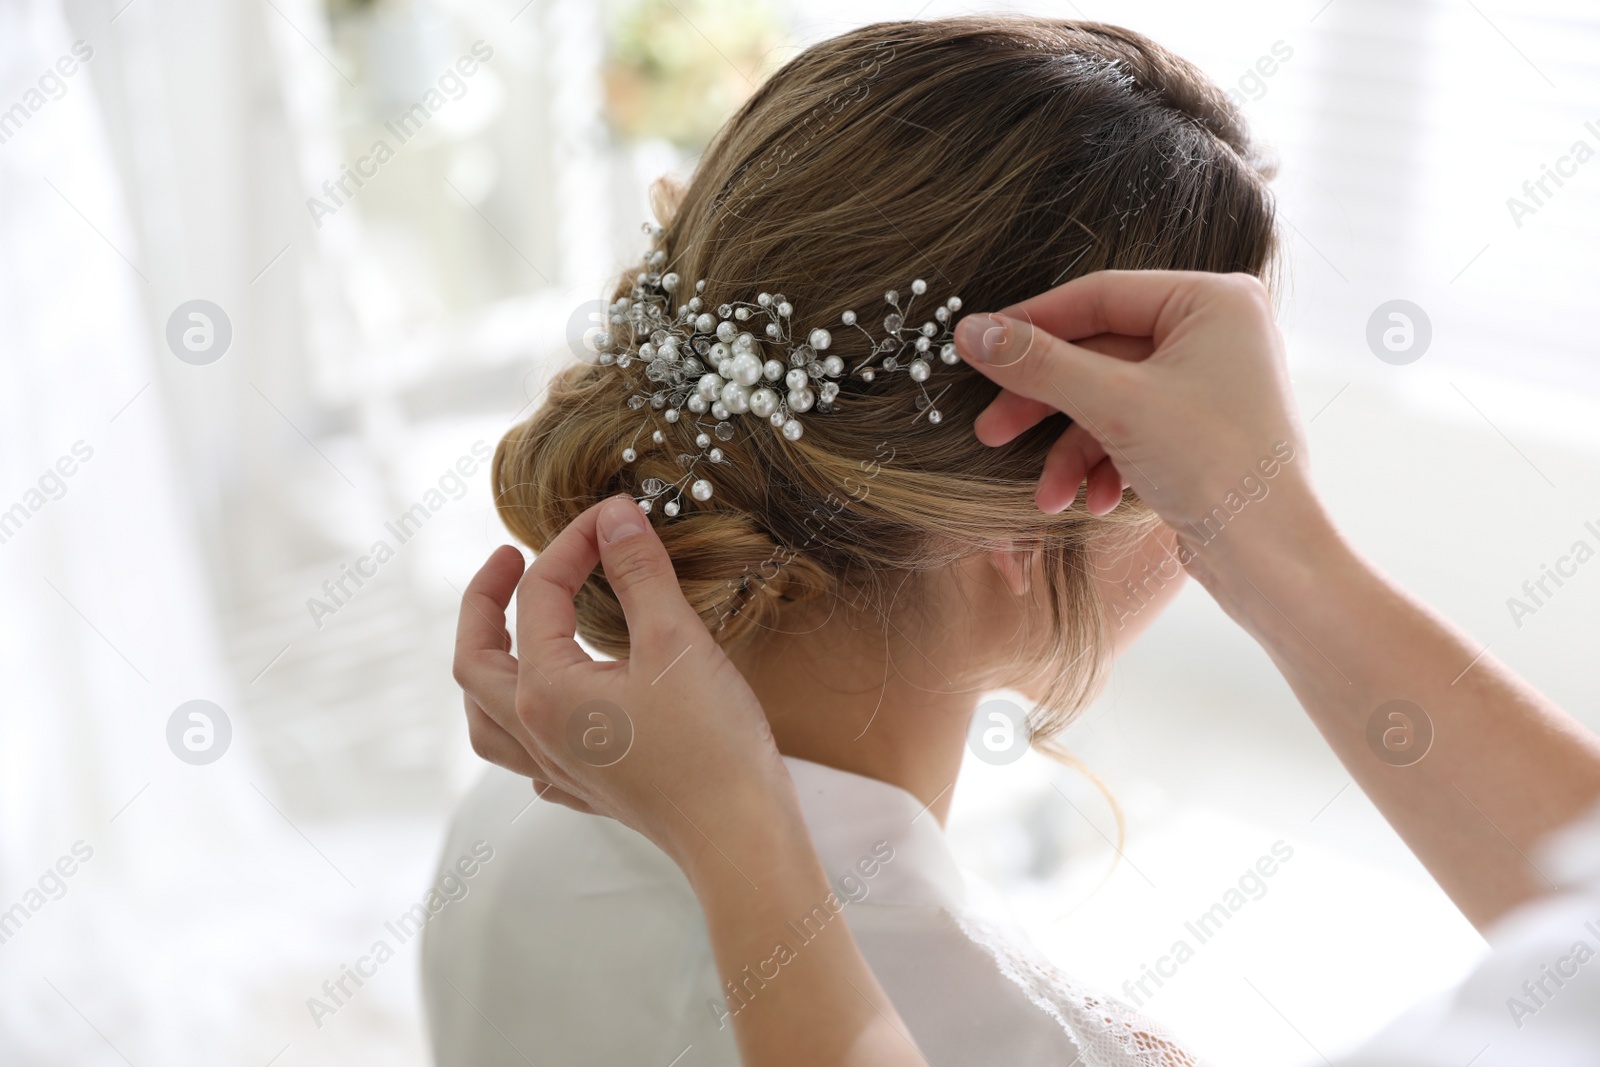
993 157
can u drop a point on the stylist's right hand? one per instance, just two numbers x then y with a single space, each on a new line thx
1182 426
670 741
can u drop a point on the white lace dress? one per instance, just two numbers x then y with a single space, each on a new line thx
579 943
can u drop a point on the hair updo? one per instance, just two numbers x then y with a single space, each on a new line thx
994 157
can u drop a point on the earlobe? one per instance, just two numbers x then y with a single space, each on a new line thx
1015 567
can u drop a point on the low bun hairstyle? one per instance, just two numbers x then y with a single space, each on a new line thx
994 157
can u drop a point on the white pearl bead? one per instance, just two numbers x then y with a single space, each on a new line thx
763 402
954 303
658 437
934 416
764 299
671 509
725 368
669 282
848 318
697 404
833 366
785 309
705 323
709 386
736 398
772 370
796 379
657 258
772 329
715 455
947 352
645 506
919 287
672 414
820 339
701 489
746 369
719 410
919 370
629 455
702 440
792 430
726 331
801 400
719 352
647 351
741 313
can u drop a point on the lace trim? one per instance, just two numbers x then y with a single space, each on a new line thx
1107 1032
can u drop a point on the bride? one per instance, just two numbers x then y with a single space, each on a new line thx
776 392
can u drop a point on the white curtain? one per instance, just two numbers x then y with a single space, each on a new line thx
194 921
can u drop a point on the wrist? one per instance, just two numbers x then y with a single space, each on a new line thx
750 835
1269 556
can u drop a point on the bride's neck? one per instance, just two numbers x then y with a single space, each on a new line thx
865 699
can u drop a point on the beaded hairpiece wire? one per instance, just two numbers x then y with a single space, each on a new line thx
701 363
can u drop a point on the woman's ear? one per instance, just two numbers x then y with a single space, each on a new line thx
1015 567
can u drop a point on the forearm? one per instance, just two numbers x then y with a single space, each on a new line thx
1504 765
796 989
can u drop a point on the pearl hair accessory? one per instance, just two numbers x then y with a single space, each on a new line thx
704 366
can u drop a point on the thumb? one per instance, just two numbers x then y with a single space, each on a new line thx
1024 359
640 572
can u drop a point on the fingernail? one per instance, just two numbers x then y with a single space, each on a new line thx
979 335
620 519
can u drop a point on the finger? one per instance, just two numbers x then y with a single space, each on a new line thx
641 574
1117 345
1032 363
1069 462
1105 489
547 619
494 743
1130 302
481 624
1010 414
489 680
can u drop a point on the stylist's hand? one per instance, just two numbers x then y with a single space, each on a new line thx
1184 425
670 741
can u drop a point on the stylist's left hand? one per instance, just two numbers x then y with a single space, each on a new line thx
670 741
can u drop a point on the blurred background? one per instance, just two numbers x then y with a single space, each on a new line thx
241 345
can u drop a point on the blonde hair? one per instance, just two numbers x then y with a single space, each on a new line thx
992 156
